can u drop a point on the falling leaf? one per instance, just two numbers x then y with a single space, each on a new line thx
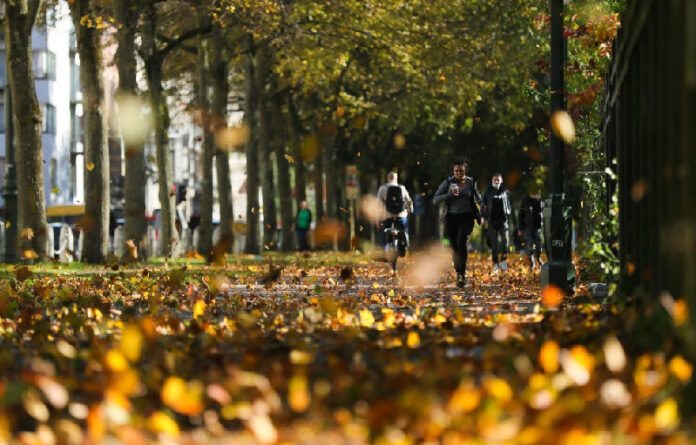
27 233
298 395
90 166
563 127
198 309
680 312
667 415
289 158
499 389
55 190
464 400
115 361
131 343
413 340
399 141
614 394
681 368
309 148
160 422
614 355
552 296
132 248
548 356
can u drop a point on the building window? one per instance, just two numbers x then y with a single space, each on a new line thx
44 64
48 112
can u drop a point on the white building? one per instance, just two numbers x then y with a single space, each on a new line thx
57 77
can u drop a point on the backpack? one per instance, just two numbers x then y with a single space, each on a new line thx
395 202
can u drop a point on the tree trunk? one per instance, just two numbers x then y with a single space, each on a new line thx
222 160
95 228
295 129
135 226
20 16
205 229
252 160
265 150
283 167
158 101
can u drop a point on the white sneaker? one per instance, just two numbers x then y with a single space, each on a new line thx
496 269
503 265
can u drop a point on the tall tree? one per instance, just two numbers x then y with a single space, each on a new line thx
95 228
251 149
20 16
135 225
220 90
205 229
153 59
263 60
282 166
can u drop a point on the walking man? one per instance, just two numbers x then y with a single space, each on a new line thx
530 226
497 211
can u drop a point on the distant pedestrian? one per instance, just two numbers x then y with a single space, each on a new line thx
303 221
397 204
462 200
530 220
497 211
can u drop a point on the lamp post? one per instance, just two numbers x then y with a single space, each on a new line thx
559 270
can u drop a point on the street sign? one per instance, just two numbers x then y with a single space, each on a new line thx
352 188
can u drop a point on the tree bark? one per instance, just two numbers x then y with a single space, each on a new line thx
160 110
283 167
135 225
220 88
265 150
95 228
205 230
252 161
20 16
295 129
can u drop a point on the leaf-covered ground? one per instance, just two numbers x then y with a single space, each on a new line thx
325 348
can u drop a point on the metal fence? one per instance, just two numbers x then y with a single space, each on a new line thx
649 129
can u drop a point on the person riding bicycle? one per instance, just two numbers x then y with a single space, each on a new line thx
397 205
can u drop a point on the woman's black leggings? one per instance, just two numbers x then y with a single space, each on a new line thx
458 228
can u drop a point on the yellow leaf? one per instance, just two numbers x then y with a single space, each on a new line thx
298 357
366 318
667 415
173 390
27 233
399 140
499 389
681 368
298 395
8 224
390 293
563 127
413 340
375 285
464 400
680 312
29 254
90 166
131 343
198 309
548 356
290 159
159 422
55 190
115 361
